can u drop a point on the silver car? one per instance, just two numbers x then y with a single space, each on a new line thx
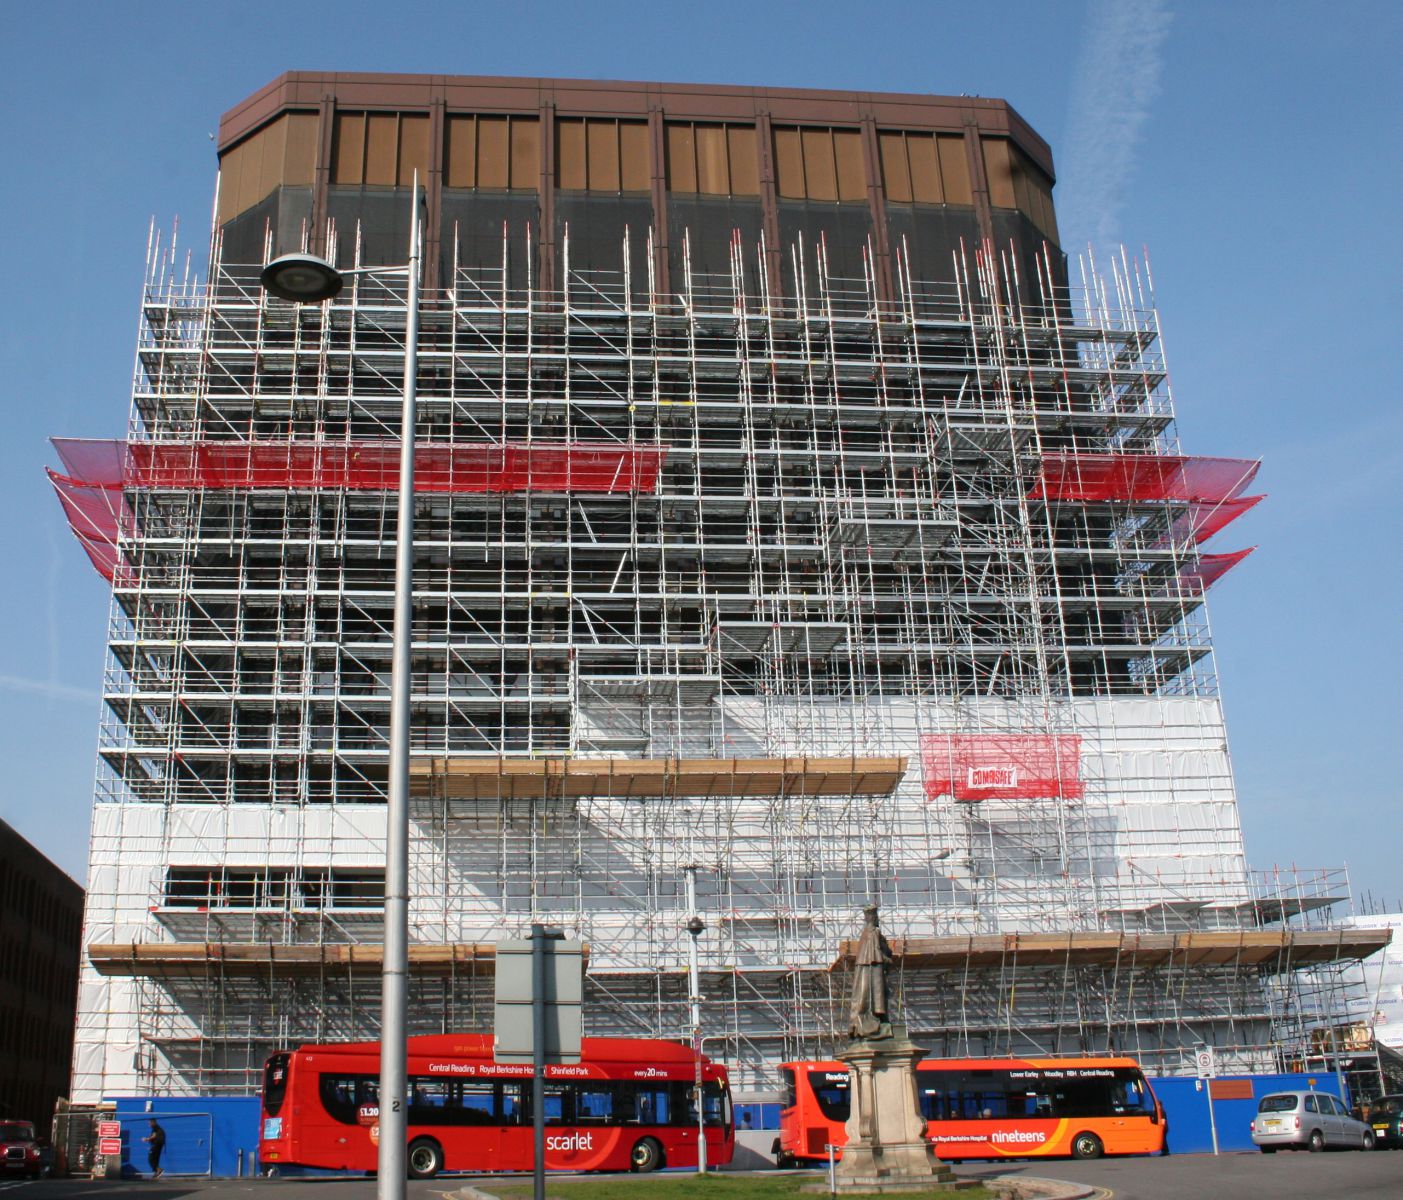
1307 1120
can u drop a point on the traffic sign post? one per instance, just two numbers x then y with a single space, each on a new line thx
1206 1064
539 995
516 996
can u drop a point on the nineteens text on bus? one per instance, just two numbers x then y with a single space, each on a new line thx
628 1105
988 1108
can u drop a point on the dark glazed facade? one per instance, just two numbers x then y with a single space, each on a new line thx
41 922
858 174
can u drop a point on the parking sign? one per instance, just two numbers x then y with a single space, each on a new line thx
1205 1063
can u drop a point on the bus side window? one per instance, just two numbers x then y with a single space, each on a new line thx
652 1106
1084 1098
594 1104
428 1100
625 1103
992 1104
559 1107
682 1103
475 1103
1131 1095
509 1106
338 1097
791 1090
713 1104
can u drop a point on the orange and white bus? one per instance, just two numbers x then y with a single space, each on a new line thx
627 1105
990 1108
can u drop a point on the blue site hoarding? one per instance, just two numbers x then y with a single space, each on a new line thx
205 1135
1185 1101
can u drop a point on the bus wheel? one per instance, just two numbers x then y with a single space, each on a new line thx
647 1156
1087 1145
271 1172
425 1158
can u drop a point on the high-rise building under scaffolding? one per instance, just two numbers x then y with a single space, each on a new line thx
795 530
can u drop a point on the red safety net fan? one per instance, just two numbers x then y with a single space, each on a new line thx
99 472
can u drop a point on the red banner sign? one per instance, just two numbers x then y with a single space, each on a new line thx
993 766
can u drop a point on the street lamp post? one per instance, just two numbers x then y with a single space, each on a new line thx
695 925
308 279
394 984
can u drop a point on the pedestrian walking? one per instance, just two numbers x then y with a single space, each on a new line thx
157 1140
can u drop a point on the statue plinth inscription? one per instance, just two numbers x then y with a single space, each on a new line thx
886 1149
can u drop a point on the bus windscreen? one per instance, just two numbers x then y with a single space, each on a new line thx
830 1089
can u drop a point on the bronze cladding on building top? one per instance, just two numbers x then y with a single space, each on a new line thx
853 175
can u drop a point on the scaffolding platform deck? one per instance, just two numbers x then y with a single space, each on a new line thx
505 778
1275 949
164 960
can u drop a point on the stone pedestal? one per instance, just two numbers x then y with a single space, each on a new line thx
887 1150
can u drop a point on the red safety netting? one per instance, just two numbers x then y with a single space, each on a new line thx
94 513
1002 766
94 462
1197 577
1203 520
98 470
597 467
1141 477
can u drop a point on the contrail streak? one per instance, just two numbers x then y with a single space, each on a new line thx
1116 83
39 687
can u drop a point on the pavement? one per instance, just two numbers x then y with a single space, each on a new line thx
1336 1175
1330 1176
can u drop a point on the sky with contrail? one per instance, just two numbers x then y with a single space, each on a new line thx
1114 87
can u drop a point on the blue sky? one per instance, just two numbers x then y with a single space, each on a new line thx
1252 148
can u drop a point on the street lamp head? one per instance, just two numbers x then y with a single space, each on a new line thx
302 278
695 926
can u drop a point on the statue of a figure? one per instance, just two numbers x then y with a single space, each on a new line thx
867 1011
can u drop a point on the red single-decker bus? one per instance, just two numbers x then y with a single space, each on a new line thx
627 1105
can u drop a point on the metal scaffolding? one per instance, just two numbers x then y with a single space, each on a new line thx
834 599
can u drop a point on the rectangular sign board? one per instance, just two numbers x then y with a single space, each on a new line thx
1230 1089
106 1146
109 1129
513 1040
